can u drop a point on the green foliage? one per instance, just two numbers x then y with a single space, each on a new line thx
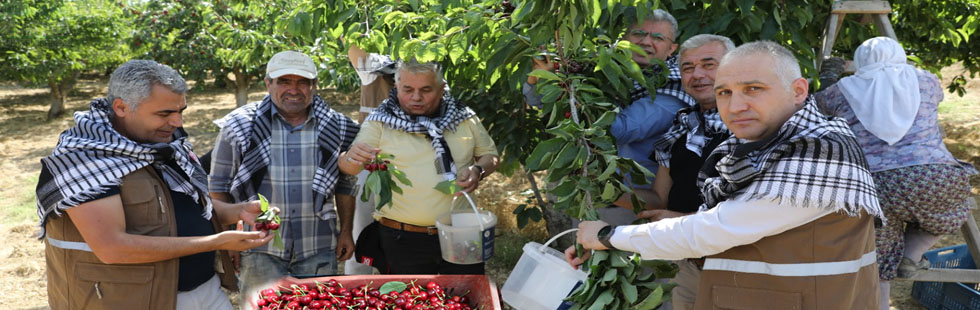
381 180
216 37
796 24
937 34
51 42
617 280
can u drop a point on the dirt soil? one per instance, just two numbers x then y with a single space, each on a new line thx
25 137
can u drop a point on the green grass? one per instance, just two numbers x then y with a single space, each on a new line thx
508 248
959 108
22 207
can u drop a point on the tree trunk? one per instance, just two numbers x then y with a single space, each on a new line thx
59 94
554 220
241 87
557 221
57 101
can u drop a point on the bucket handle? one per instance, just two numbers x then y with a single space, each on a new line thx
545 245
472 204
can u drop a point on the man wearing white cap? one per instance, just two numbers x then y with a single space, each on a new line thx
285 147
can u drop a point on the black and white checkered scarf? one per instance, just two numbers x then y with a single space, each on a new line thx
251 127
697 126
92 157
450 114
812 161
672 87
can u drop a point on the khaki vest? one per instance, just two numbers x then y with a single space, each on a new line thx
77 279
829 263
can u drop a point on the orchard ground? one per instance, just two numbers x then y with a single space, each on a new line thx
25 137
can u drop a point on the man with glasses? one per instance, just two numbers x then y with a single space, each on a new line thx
641 123
285 147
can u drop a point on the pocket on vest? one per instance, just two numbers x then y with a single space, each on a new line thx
727 297
143 204
112 286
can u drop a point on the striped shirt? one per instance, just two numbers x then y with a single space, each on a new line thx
288 184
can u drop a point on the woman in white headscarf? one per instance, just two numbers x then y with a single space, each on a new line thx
892 109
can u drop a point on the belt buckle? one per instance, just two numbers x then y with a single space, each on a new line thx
431 230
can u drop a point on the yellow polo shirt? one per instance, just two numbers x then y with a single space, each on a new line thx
420 204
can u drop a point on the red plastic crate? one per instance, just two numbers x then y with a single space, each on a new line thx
482 291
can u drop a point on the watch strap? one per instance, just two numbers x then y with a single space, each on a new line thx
482 172
605 234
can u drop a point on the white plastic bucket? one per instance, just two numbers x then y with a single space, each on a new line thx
466 237
541 279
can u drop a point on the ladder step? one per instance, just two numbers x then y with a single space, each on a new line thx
861 7
947 275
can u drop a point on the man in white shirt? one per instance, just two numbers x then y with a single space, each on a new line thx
789 201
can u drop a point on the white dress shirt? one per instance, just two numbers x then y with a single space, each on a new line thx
729 224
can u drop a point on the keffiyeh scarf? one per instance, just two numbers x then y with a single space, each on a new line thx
251 126
449 115
673 86
92 157
697 126
812 161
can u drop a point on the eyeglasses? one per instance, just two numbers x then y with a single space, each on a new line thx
640 34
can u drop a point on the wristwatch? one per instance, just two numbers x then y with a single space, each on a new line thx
605 233
482 172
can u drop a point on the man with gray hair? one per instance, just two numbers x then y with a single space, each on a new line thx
435 139
286 148
124 206
681 152
789 203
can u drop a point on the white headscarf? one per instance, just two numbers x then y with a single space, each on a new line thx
884 92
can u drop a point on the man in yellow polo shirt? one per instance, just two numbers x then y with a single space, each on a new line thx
434 138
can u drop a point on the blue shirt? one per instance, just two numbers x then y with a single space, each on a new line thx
640 124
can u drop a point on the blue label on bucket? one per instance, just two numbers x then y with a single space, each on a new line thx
488 243
567 304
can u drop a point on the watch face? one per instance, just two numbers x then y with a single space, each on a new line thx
604 232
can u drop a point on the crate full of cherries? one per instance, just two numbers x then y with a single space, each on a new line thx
381 292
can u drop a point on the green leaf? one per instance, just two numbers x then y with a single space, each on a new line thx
565 188
264 203
609 192
652 301
565 157
605 120
629 290
543 153
448 187
521 215
373 183
610 169
619 259
400 175
598 257
745 5
392 286
610 275
384 193
365 193
604 299
544 74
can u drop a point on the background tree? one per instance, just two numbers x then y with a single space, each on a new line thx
51 42
229 40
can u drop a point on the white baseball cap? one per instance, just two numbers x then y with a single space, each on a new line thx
290 62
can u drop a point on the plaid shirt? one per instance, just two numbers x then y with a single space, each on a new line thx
288 184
